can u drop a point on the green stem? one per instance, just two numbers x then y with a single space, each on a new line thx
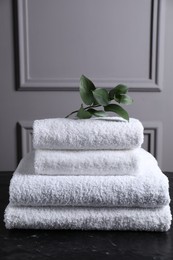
92 106
84 109
71 113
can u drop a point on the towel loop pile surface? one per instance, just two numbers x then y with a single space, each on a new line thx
89 174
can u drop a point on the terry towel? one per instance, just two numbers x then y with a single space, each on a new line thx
93 162
158 219
148 189
97 133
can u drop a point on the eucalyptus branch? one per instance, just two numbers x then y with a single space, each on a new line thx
100 97
85 108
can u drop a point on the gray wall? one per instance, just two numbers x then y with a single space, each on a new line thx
46 45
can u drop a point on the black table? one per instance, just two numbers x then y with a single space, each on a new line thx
59 245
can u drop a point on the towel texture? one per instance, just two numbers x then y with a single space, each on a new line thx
158 219
148 189
93 162
98 133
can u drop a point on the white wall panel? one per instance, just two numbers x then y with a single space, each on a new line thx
109 41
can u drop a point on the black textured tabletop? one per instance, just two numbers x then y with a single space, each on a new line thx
41 244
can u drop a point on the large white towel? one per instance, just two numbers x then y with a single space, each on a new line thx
93 162
148 189
158 219
98 133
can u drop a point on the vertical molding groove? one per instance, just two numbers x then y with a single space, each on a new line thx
153 134
26 137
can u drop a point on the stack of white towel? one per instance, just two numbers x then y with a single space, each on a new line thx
88 174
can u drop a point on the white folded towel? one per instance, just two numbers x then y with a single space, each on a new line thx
98 133
148 189
93 162
158 219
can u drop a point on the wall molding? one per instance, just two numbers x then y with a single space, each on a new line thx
152 84
26 131
153 134
152 137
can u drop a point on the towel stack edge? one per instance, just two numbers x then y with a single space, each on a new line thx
93 162
102 146
89 175
83 218
104 133
149 188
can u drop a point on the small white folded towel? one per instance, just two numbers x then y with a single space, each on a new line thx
149 188
97 133
158 219
93 162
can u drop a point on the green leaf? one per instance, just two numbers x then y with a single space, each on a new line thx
83 114
95 102
86 88
125 99
118 110
118 90
98 113
101 96
112 94
121 89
